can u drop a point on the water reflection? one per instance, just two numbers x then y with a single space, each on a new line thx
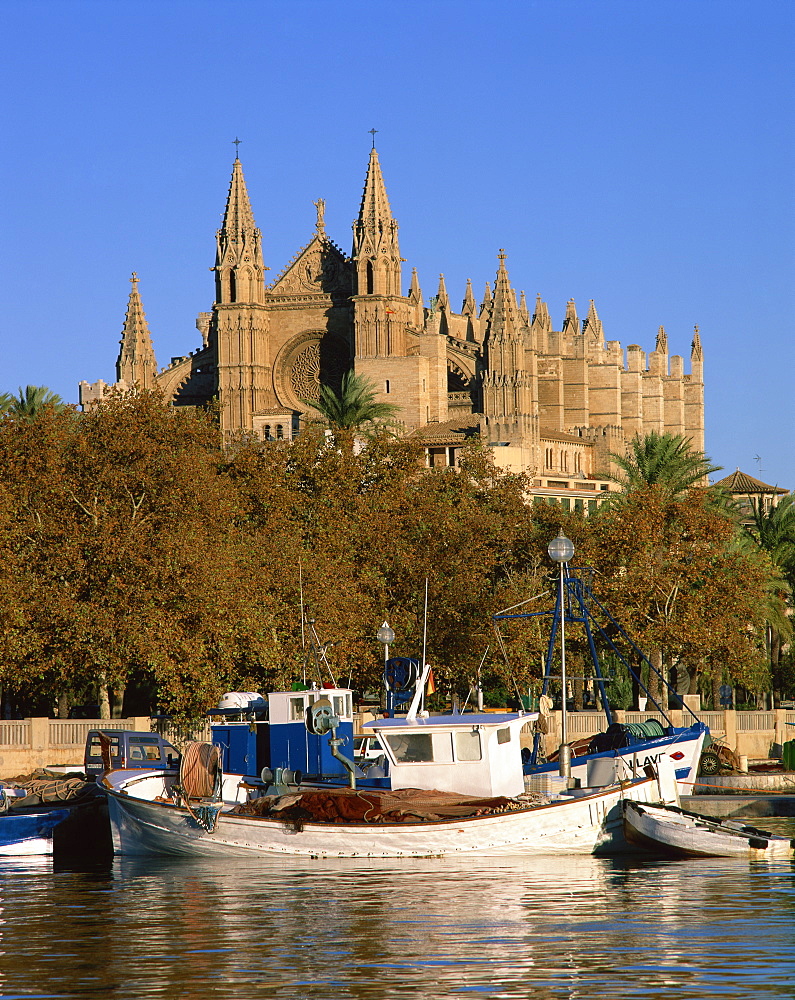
507 927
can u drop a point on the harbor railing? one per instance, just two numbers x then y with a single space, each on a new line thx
28 744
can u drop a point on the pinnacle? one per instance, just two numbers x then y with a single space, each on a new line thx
238 216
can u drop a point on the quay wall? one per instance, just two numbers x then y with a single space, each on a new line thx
26 744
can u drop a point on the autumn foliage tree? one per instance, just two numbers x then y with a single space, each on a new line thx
139 555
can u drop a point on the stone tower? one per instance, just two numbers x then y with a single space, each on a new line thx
510 382
401 355
239 326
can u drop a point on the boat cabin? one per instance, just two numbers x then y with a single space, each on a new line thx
272 733
469 754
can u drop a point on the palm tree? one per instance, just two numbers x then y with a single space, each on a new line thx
773 531
30 402
664 460
354 407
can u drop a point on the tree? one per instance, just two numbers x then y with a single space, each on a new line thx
773 531
664 460
354 407
672 573
30 402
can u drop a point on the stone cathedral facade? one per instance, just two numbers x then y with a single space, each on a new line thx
552 402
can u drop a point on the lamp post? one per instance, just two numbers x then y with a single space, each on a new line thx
386 635
560 550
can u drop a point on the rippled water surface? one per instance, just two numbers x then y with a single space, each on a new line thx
547 927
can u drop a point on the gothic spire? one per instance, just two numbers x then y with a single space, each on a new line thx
541 318
469 308
696 353
592 325
136 364
239 267
571 323
442 299
503 323
523 311
375 237
661 345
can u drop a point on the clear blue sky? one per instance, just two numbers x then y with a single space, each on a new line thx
637 153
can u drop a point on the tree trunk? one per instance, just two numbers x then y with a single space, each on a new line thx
102 697
117 701
654 685
716 686
63 705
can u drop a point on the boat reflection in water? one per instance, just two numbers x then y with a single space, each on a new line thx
516 927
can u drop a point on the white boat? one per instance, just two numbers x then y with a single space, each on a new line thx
456 787
674 832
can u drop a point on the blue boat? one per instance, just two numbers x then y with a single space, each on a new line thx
624 750
28 832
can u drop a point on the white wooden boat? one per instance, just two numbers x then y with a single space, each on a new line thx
144 821
455 787
672 831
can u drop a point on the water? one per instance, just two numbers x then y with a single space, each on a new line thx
539 928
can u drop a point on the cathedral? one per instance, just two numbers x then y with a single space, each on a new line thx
553 403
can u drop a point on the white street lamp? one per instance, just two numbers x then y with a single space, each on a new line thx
386 635
560 550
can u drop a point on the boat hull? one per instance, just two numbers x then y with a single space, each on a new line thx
29 833
682 750
583 824
679 834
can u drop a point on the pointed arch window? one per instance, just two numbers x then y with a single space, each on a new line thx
370 278
232 286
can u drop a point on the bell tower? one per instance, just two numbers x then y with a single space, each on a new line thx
239 323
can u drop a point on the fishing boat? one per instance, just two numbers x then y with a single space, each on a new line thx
28 832
455 786
636 745
674 832
47 813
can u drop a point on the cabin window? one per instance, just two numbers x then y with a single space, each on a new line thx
467 745
296 709
338 702
443 748
412 748
504 735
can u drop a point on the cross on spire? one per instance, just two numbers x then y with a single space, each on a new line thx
373 132
236 142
